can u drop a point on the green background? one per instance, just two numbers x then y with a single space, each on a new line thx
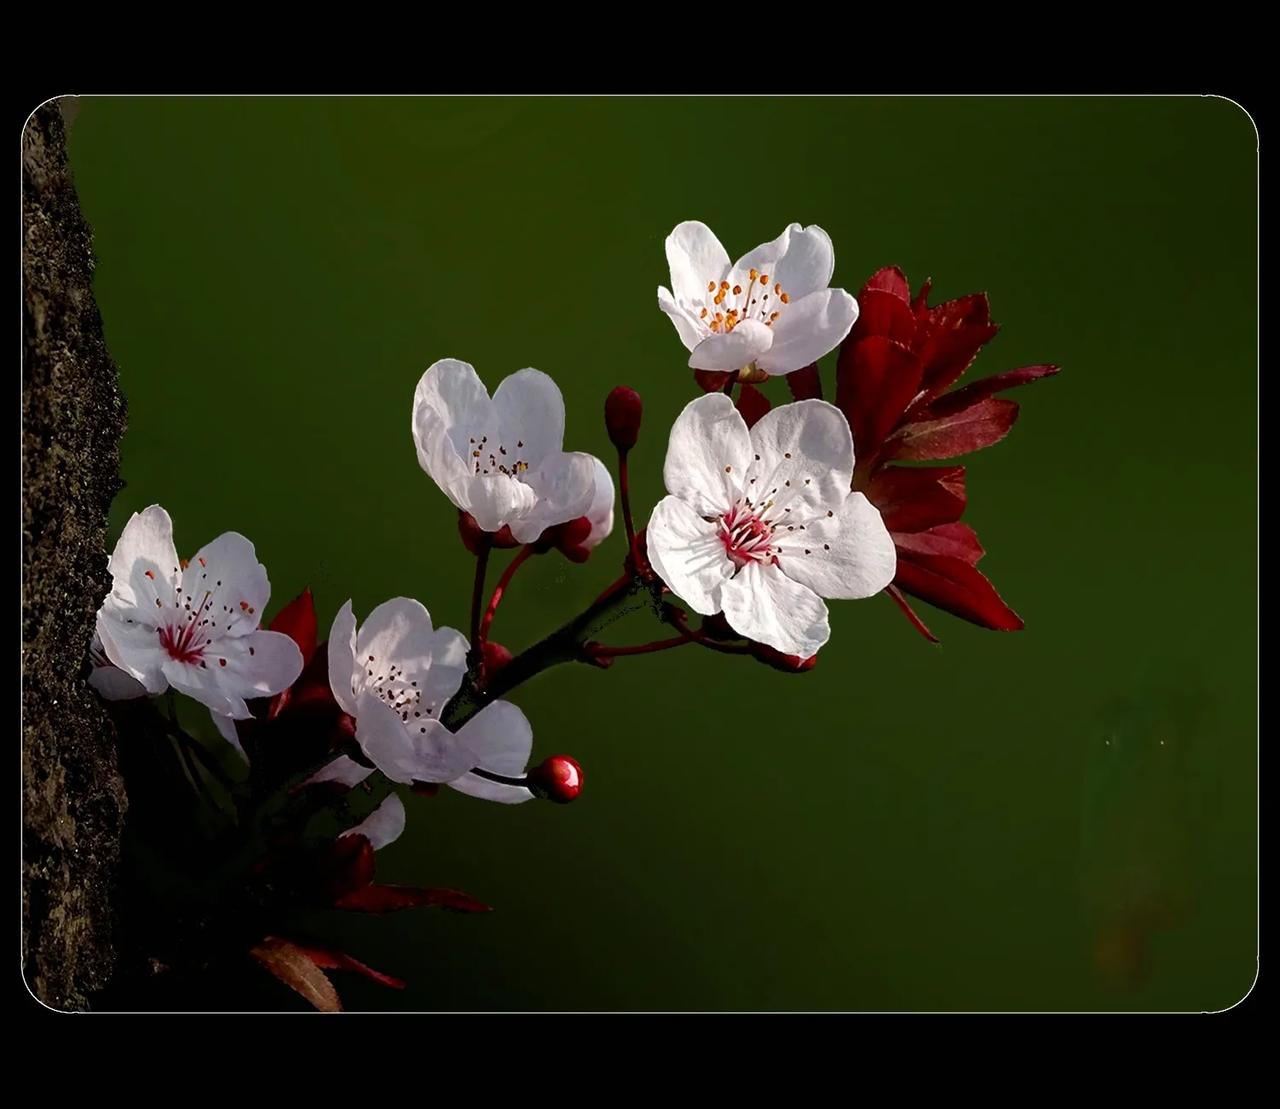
1062 818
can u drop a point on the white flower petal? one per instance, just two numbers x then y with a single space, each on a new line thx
764 258
496 499
424 751
600 511
382 826
450 406
695 257
499 738
802 462
260 664
226 578
734 349
687 553
808 263
762 603
851 555
475 786
146 543
113 684
530 417
691 332
343 769
707 455
448 667
201 684
227 729
564 486
342 659
807 329
135 649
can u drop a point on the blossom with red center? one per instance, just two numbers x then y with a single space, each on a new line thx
193 626
893 384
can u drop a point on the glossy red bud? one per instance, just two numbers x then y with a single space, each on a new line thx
558 779
474 538
496 656
622 412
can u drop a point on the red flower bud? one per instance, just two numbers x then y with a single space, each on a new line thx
622 411
788 664
496 656
473 537
558 779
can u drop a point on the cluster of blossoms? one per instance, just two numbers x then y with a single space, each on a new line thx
770 512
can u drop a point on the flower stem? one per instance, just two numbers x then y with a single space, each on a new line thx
485 545
599 651
565 644
624 489
500 590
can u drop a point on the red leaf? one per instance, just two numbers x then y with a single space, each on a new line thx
910 613
920 305
884 313
876 379
955 540
957 587
805 384
915 498
298 621
973 310
978 426
752 404
328 959
289 963
712 381
890 280
971 394
945 355
389 899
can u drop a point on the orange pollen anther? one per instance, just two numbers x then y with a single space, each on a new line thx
201 561
786 299
723 285
711 286
764 279
151 574
754 274
737 290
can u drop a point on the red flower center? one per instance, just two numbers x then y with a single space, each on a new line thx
746 537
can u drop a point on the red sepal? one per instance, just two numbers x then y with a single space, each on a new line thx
806 383
712 381
752 404
297 620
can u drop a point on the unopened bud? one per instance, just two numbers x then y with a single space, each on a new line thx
496 656
788 664
558 779
622 412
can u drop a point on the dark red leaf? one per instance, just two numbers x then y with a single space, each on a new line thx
954 585
915 498
920 306
978 426
955 540
752 404
890 280
910 613
884 313
805 384
971 394
712 381
289 963
973 310
945 355
297 620
389 899
876 379
327 959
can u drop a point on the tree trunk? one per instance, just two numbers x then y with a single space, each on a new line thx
73 416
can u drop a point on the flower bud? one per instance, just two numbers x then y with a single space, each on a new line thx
496 656
622 411
558 779
474 538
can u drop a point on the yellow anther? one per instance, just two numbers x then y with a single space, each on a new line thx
754 274
773 316
711 286
777 288
704 313
724 285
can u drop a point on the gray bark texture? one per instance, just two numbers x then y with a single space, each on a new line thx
73 415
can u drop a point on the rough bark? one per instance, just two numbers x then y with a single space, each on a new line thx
73 416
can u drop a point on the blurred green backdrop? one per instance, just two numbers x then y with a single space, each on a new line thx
1063 818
